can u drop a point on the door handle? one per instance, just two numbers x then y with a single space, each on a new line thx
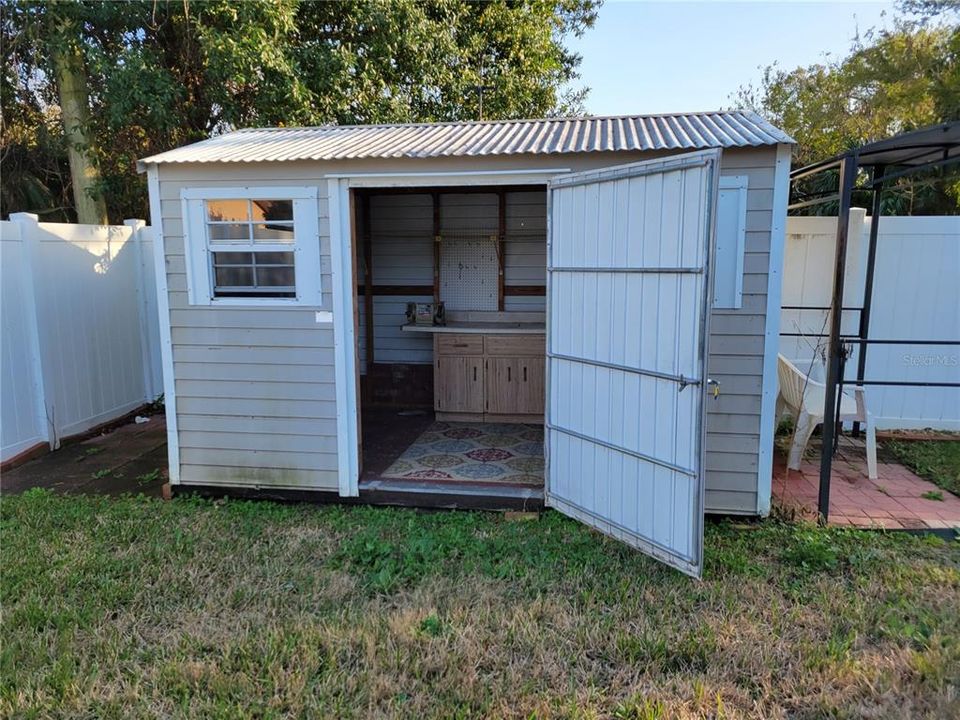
508 373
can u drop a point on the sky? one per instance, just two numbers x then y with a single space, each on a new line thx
661 57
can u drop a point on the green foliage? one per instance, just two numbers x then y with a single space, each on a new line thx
130 607
891 81
163 74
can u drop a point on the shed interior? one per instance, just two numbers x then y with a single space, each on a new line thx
457 406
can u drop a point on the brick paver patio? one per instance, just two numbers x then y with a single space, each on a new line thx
893 501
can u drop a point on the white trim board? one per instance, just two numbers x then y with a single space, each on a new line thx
166 342
344 340
434 179
254 192
771 340
344 298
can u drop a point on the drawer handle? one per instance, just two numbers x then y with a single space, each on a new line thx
460 345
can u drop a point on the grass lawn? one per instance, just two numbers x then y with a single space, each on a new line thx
118 608
936 460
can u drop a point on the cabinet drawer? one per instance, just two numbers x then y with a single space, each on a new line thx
514 345
459 344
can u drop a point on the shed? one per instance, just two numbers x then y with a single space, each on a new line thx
582 313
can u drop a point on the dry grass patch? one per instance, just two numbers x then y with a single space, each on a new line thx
140 608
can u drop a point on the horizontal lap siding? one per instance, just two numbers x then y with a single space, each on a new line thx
256 399
736 351
525 248
401 237
265 349
401 233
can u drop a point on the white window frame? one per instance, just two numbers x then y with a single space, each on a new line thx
727 289
305 246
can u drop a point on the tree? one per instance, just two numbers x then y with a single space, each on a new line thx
161 74
69 70
892 81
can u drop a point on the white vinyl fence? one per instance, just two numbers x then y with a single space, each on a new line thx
80 343
916 297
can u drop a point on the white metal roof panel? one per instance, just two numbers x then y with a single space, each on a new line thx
692 131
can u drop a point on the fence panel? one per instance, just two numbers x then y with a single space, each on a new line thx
916 296
22 424
96 325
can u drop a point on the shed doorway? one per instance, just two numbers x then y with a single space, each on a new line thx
451 405
625 340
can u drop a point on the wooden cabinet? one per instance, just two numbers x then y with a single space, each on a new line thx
489 377
458 384
514 386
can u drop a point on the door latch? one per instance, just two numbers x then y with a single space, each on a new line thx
714 387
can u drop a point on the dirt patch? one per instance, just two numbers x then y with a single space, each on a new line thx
131 458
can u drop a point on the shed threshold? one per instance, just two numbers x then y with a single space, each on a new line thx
472 496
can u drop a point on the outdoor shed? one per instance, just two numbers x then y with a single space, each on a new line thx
579 312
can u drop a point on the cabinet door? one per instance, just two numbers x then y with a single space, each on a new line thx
515 386
530 397
502 385
459 384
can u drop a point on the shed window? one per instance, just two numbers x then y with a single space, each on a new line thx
250 246
265 229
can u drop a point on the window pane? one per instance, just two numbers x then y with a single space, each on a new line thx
229 232
274 232
273 210
274 258
275 276
232 258
234 276
228 210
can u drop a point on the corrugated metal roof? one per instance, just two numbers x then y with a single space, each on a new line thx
691 131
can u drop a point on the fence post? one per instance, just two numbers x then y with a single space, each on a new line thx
28 230
146 357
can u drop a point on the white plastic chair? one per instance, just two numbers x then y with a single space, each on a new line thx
804 394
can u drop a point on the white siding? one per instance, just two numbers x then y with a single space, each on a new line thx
254 386
733 422
736 350
401 233
625 446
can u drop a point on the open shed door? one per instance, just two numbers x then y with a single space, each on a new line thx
628 298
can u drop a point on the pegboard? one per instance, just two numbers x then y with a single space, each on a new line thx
469 272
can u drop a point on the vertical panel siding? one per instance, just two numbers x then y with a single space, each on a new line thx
255 394
649 321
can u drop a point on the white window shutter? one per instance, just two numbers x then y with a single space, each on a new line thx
731 237
306 223
195 253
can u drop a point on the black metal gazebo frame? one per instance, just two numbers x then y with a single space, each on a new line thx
886 160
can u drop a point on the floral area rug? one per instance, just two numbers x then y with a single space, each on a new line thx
474 452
